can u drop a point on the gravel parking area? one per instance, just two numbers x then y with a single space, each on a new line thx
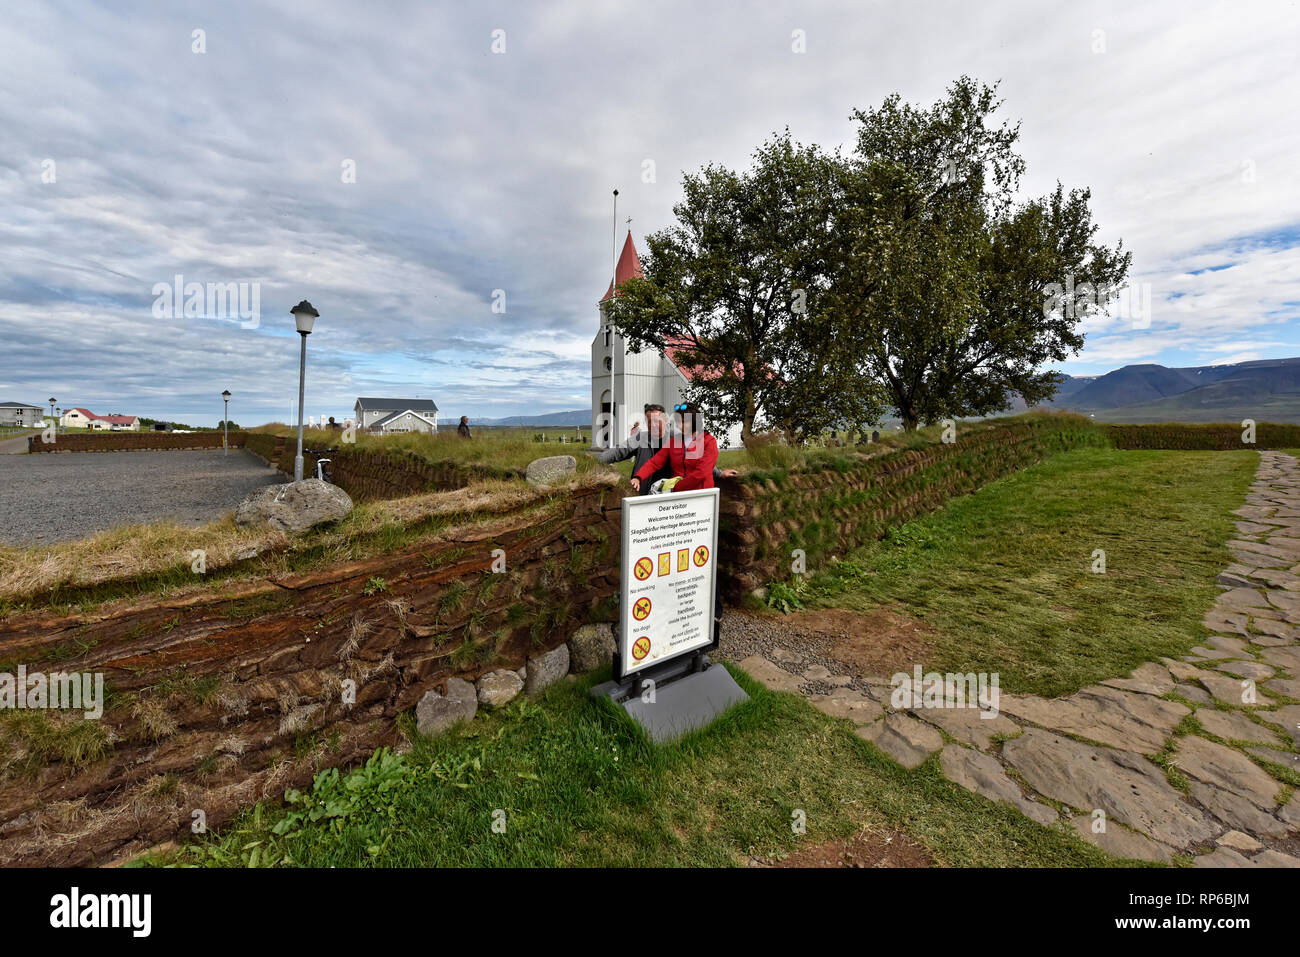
59 497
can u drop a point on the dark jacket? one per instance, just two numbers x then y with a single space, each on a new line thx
641 449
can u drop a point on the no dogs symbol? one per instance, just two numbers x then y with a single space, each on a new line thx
640 648
643 569
701 555
641 610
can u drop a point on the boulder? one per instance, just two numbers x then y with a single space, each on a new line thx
295 507
550 470
591 647
498 688
438 712
545 670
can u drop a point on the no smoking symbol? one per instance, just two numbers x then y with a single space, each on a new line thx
641 610
643 568
701 555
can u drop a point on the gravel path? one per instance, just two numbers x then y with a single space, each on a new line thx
54 498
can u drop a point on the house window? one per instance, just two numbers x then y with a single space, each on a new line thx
609 363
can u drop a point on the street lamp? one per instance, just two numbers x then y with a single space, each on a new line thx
304 316
225 424
55 423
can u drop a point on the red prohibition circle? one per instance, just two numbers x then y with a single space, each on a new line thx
641 609
701 555
640 648
643 569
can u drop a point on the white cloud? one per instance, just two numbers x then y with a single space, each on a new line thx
477 172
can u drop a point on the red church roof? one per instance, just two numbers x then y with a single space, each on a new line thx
629 266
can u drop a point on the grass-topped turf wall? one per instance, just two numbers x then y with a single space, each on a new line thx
833 504
223 695
369 472
130 441
1214 437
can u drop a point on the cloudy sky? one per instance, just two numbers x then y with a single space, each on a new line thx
133 150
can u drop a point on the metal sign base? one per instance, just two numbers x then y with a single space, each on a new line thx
689 693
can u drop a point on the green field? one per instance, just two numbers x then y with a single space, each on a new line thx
576 785
1005 576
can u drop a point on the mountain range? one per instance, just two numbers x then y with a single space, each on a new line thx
549 419
1266 390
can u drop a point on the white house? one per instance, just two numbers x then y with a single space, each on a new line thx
79 418
623 382
22 415
396 415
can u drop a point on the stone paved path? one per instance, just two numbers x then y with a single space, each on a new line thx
1106 760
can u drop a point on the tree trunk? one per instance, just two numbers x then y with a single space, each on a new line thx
747 421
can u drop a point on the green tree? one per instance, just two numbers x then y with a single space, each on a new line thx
944 290
736 286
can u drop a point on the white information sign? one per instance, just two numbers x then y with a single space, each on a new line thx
670 547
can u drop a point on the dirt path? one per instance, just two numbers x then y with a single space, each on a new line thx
1185 756
16 446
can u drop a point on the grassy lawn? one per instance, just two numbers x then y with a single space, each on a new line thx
578 785
1005 576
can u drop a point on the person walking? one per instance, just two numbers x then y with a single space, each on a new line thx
463 429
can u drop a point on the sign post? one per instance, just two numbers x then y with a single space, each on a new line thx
669 615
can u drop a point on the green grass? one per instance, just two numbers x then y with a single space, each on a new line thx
578 785
491 448
1004 576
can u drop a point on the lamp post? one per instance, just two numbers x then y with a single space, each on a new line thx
304 316
55 423
58 419
225 424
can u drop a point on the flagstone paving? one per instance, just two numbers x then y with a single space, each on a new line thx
1108 761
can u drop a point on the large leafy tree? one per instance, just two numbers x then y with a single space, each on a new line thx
941 286
736 287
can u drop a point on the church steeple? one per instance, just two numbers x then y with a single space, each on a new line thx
629 266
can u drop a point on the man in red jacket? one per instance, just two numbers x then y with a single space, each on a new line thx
692 453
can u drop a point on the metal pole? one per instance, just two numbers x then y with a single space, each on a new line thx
225 430
302 374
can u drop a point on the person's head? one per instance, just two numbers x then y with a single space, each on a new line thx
656 420
464 420
688 418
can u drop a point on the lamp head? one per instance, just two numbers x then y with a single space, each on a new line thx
304 316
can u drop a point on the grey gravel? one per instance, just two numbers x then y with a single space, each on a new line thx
59 497
744 635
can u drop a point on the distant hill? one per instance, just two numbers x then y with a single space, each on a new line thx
551 419
1264 390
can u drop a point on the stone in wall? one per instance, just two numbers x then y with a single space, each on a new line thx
438 712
